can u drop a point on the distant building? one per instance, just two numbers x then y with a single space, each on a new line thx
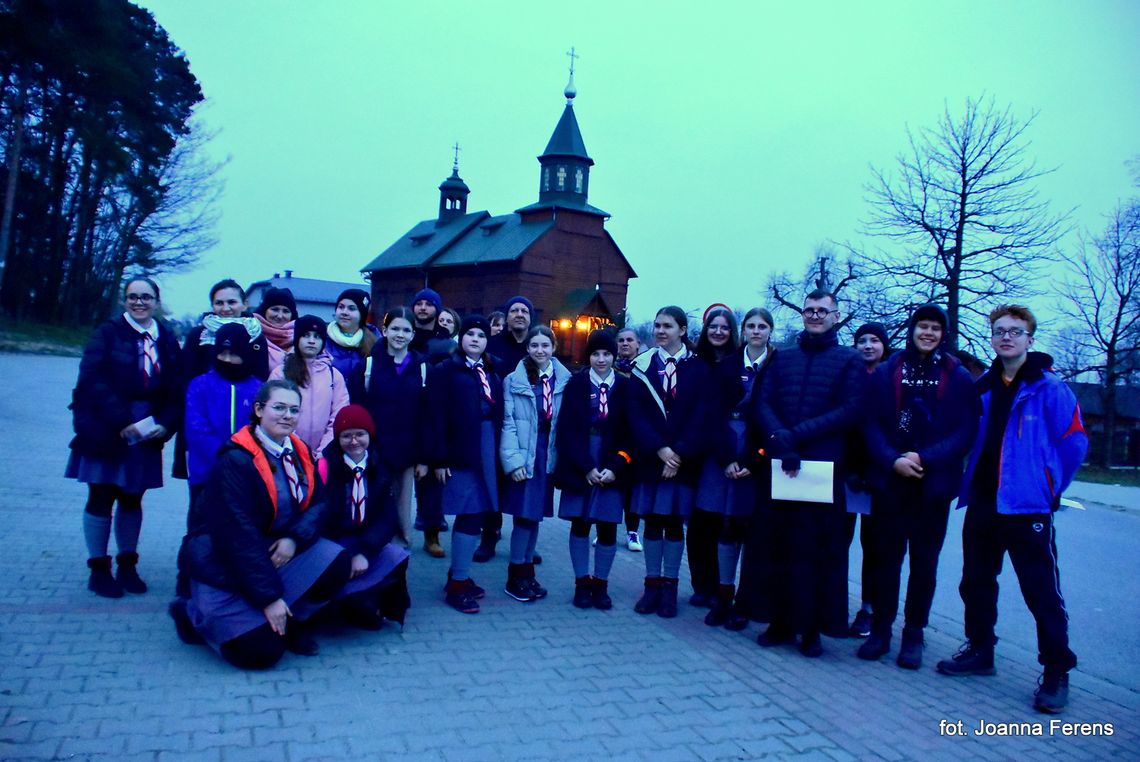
314 297
555 251
1126 440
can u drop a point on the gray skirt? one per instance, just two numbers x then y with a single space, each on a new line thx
222 615
663 497
475 490
534 498
604 504
134 472
380 565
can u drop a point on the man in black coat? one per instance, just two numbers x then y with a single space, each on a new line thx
426 306
808 400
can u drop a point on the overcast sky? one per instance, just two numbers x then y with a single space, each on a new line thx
729 139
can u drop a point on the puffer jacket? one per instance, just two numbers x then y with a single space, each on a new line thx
321 399
519 443
1044 442
216 409
810 396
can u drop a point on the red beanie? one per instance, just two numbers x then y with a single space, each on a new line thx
353 417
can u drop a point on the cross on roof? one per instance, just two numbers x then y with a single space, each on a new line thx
572 56
456 165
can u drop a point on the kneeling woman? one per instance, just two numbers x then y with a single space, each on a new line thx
362 518
668 416
465 420
532 397
591 464
257 566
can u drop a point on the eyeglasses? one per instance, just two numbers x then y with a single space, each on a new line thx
1013 333
352 436
817 312
144 298
281 409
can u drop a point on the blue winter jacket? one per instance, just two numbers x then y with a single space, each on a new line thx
1044 442
215 410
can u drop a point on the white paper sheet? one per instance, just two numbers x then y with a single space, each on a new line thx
813 484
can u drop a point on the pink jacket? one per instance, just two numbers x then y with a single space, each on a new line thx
321 400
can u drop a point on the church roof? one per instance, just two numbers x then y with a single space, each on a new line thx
566 139
475 238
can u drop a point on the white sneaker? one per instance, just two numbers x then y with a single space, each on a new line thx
633 542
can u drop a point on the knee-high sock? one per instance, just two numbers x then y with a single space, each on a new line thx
462 551
533 543
604 560
97 533
128 524
580 555
727 555
520 541
674 549
652 552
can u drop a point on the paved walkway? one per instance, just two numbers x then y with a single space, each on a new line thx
87 678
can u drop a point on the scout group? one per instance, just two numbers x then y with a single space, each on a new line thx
303 444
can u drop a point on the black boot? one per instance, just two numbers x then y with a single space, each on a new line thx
601 595
722 607
877 645
299 639
1052 691
651 598
538 591
910 652
182 624
101 581
971 659
668 607
128 575
584 592
517 585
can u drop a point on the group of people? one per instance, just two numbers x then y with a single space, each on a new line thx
761 460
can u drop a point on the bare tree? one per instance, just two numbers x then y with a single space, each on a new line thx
963 210
1102 295
826 270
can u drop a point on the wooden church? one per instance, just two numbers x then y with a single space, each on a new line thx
556 251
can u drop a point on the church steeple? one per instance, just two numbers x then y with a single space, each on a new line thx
564 177
452 194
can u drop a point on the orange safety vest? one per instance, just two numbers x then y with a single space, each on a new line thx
245 439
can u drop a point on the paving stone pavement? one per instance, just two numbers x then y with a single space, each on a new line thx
87 678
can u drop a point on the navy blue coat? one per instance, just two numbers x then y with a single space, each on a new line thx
575 422
948 435
398 404
111 382
232 525
684 427
455 413
380 515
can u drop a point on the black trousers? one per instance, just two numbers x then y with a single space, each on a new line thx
810 568
865 578
1031 542
903 519
429 501
704 528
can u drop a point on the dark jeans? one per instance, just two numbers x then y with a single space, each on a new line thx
902 519
1031 542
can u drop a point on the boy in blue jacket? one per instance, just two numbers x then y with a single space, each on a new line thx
1029 444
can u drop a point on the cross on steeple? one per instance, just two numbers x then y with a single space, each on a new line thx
572 56
570 90
456 165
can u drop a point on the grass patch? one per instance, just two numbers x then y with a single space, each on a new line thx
1125 477
40 338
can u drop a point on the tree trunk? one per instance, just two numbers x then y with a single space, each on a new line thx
13 177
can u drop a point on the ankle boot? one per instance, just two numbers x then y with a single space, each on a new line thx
102 582
517 585
538 591
584 592
601 595
431 544
128 576
668 607
722 606
910 652
877 645
651 598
